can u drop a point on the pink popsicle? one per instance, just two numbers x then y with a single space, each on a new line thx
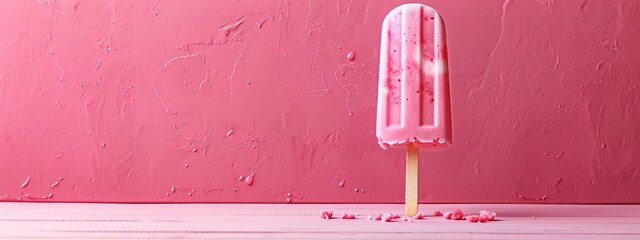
413 91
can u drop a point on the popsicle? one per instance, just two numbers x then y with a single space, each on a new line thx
413 91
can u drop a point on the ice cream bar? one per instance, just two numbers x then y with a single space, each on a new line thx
413 90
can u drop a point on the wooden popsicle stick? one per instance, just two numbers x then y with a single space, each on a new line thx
411 182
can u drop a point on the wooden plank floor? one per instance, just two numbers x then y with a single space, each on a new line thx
302 221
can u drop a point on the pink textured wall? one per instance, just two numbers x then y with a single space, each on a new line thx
125 100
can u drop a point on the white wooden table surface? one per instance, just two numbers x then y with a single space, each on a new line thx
302 221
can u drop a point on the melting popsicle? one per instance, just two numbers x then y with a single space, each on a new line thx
413 91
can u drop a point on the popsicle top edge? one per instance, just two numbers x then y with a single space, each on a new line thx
441 139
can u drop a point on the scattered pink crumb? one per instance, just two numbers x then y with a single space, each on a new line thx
483 217
326 214
457 214
289 195
341 184
289 200
489 215
387 217
240 178
346 215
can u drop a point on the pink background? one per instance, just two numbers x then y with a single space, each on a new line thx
115 97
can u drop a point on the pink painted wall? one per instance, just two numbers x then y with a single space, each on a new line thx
117 98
